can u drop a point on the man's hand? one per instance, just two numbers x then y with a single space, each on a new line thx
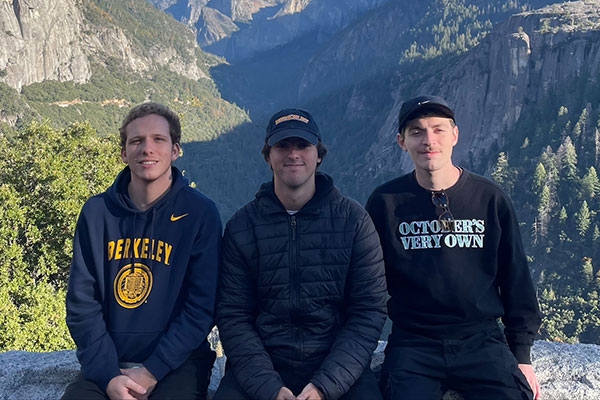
144 378
527 370
121 387
285 394
310 392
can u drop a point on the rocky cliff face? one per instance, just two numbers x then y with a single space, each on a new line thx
216 20
520 63
321 17
42 40
239 29
370 48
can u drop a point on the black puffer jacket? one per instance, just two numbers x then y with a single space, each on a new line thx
307 289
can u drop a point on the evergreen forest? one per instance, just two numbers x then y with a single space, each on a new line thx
551 173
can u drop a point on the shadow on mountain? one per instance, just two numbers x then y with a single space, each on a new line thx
267 82
228 169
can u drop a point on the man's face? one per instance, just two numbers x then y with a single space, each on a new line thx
148 150
294 163
429 142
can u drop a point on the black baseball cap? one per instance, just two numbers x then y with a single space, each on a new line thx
419 105
292 122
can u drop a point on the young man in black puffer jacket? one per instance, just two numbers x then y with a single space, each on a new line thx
302 292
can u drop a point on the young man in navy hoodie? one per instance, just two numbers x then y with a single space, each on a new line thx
141 290
455 264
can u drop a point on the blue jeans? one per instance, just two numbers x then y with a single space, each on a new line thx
478 367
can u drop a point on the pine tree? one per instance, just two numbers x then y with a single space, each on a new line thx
502 173
580 125
590 184
549 160
583 219
587 270
597 142
562 215
544 209
539 178
567 158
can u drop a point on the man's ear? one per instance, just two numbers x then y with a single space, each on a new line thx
400 140
455 140
268 160
175 151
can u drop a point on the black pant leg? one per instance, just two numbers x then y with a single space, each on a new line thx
82 389
484 367
189 381
414 369
365 387
230 389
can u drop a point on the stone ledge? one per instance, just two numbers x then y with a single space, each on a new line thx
565 372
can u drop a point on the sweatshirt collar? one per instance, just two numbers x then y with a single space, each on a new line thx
269 202
119 194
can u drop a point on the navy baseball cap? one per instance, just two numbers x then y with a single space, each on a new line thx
420 105
292 122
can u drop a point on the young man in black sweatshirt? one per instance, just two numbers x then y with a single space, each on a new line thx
454 264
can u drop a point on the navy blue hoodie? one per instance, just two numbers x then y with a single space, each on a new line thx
142 283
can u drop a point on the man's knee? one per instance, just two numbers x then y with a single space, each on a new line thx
229 388
83 389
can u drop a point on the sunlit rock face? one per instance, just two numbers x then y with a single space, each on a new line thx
39 42
52 40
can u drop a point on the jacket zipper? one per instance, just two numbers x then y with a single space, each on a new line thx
294 289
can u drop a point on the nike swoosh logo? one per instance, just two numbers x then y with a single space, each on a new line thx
177 218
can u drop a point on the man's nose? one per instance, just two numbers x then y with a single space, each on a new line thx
147 147
294 151
429 136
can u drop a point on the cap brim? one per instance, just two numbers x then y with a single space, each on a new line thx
288 133
436 108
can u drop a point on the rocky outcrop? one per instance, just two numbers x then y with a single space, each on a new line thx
244 10
289 22
519 63
565 372
368 49
44 376
240 29
54 40
214 26
41 40
215 20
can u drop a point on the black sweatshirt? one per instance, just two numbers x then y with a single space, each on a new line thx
450 285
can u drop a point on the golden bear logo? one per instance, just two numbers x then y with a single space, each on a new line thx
133 285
